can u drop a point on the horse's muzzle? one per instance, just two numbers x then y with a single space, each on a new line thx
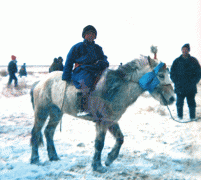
168 101
171 100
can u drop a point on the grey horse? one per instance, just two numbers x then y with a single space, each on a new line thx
114 93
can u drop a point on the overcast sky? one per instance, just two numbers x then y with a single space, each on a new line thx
38 31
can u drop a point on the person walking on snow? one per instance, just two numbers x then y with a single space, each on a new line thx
12 69
185 74
89 62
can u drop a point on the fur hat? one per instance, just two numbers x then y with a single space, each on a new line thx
13 57
87 29
187 46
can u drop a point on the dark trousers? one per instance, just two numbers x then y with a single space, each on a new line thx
86 82
191 104
11 78
85 93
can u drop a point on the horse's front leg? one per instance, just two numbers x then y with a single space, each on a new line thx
116 132
101 130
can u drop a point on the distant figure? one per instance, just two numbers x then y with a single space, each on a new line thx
23 71
121 64
185 74
57 65
12 69
60 65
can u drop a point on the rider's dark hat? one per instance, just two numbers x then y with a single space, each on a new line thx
87 29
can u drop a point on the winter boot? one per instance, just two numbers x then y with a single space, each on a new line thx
180 112
83 105
192 113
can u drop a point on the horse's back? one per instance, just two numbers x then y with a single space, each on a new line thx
42 90
52 90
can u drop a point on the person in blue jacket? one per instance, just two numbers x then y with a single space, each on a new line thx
185 74
84 64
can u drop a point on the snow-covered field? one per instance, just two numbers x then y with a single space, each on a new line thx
155 146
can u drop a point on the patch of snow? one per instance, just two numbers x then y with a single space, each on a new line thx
155 146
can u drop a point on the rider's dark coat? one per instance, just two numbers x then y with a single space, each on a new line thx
89 61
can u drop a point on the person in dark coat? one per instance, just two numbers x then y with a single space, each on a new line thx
23 71
53 66
12 69
60 64
89 62
185 74
57 65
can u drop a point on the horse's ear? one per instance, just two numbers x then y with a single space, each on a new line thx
152 62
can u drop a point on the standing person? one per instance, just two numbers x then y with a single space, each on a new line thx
60 64
12 69
89 62
23 71
53 66
185 74
57 65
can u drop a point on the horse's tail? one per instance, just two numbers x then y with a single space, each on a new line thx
31 92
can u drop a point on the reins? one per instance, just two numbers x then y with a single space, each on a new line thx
165 102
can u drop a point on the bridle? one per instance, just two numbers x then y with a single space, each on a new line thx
149 82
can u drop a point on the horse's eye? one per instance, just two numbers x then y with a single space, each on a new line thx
161 76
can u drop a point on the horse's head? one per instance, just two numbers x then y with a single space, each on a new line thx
158 83
151 75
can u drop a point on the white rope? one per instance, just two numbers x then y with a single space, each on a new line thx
171 113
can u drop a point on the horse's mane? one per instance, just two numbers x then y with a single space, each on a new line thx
115 79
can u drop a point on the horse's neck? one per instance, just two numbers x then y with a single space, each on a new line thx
128 93
128 96
132 90
139 73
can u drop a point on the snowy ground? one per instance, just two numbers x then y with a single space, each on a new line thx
155 146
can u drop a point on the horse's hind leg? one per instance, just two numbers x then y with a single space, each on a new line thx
55 117
36 135
116 132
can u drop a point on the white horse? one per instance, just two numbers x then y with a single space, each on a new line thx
114 93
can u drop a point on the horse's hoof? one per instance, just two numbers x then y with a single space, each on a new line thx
34 160
99 169
108 162
54 158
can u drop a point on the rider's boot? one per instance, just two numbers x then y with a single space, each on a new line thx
83 106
